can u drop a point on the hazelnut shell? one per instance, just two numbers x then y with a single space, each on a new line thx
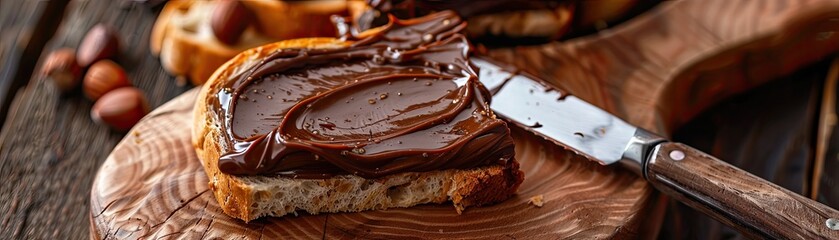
120 109
229 20
103 77
101 42
61 67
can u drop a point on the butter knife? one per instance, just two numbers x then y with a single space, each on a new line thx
754 206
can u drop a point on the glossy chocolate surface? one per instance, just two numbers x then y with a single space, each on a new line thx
404 99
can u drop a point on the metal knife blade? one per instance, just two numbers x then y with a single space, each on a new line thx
756 207
564 119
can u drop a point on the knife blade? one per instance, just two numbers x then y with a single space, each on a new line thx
590 132
754 206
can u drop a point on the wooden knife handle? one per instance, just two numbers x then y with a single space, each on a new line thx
753 205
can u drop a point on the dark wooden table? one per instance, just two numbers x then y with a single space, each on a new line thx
50 149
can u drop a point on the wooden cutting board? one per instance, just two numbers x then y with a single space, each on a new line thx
662 68
656 71
153 186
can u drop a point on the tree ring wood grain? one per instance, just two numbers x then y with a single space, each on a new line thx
153 186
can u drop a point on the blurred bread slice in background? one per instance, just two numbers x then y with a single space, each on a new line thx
191 44
185 35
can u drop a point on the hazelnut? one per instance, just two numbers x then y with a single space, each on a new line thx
104 76
121 108
101 42
229 20
62 68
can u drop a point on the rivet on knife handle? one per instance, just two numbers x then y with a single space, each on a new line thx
757 207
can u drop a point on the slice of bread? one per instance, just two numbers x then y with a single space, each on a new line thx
183 38
251 197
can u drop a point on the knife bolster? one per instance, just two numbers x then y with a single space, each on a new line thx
638 150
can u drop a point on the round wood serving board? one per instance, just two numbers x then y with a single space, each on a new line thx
153 186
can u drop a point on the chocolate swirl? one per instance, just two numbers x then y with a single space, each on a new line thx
404 99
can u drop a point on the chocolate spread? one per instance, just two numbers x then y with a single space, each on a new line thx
464 8
405 99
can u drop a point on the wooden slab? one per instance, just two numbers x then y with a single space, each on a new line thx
152 186
664 67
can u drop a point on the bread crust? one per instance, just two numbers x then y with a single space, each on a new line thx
251 197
